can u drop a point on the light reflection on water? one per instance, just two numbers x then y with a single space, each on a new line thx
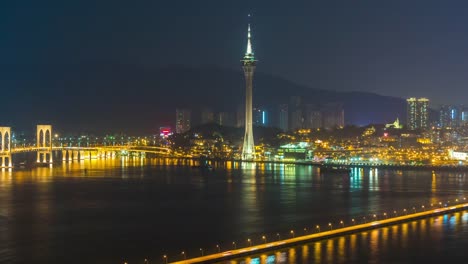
150 207
418 241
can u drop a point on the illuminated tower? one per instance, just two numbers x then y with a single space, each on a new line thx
248 64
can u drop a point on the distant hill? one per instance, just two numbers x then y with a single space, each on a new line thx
112 97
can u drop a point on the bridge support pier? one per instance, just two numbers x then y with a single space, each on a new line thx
5 148
44 144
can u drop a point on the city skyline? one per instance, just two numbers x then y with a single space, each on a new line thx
117 60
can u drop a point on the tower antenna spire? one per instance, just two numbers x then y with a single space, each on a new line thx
249 54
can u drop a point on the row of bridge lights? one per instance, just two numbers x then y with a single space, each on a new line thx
330 225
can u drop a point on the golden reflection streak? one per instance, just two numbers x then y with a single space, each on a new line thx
305 253
292 256
352 247
330 251
374 243
404 235
318 252
341 249
395 235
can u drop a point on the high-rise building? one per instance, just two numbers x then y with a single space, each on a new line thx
182 120
283 117
207 116
240 115
450 116
417 113
248 64
463 116
312 117
332 115
260 117
295 113
224 119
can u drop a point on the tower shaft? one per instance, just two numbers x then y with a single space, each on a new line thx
248 149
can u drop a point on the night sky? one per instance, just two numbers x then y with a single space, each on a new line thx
397 48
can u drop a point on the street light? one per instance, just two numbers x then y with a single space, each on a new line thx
219 249
292 233
352 220
183 254
305 230
330 225
364 219
414 209
404 210
385 214
342 224
249 241
422 207
318 227
264 239
279 237
165 259
375 217
201 250
395 213
234 245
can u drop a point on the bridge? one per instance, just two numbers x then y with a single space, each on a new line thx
354 227
44 149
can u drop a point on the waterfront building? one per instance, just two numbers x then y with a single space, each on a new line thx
295 151
183 119
417 113
248 64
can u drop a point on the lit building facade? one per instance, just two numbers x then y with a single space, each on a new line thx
417 113
183 119
248 65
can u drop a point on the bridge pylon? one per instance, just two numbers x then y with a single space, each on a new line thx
44 144
5 149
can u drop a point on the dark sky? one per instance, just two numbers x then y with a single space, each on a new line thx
399 48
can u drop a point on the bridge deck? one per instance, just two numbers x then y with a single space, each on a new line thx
321 235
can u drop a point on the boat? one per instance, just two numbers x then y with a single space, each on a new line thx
335 169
